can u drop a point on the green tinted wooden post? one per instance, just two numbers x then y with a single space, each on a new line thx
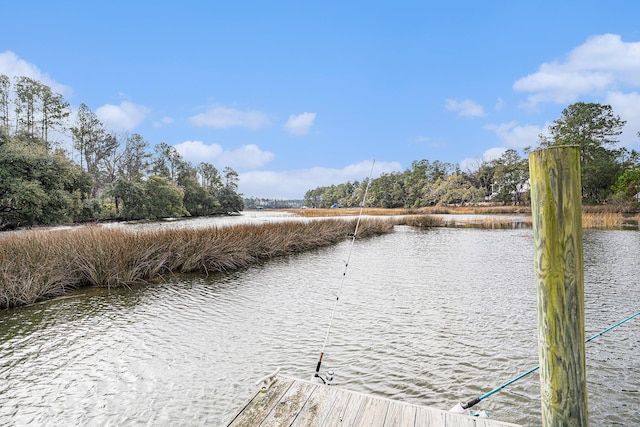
557 232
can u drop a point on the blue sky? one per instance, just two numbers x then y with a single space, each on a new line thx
296 95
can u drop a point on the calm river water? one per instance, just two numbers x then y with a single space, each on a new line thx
429 317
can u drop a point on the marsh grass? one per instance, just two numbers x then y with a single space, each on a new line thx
421 221
495 222
602 220
593 217
430 210
321 212
33 267
37 265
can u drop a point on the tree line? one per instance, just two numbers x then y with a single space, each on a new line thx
609 174
264 203
116 177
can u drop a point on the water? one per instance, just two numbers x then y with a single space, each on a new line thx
429 317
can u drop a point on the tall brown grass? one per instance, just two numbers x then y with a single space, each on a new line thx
321 212
602 220
421 221
593 217
430 210
36 265
494 222
628 208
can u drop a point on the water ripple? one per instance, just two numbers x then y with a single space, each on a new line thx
432 318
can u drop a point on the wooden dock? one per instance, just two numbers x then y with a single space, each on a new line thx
291 402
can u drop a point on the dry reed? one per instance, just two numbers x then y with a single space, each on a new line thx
321 212
36 265
494 222
602 220
430 210
593 217
421 221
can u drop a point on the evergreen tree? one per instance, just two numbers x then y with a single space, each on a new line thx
594 128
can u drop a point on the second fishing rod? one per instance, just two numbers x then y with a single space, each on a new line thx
461 407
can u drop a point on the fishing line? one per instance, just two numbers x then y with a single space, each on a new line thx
460 407
344 273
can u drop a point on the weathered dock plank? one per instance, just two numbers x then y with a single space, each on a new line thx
345 407
262 403
349 414
430 417
372 412
401 416
320 405
296 403
290 405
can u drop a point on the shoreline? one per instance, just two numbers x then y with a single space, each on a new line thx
39 265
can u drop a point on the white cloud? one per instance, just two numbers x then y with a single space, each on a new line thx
163 122
627 106
465 107
294 184
472 164
197 151
223 117
420 139
500 104
245 157
517 136
428 141
601 64
300 124
12 66
123 117
513 136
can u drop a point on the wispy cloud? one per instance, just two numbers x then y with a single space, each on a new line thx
472 164
300 124
514 135
122 117
11 65
163 122
626 105
603 63
466 107
420 139
293 184
246 157
223 117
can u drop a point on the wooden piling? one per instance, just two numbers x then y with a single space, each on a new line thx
558 262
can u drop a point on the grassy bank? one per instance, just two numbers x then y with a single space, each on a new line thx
494 217
37 265
431 210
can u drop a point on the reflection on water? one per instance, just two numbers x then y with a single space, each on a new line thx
429 317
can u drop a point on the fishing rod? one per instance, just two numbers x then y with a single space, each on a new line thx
329 377
461 407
